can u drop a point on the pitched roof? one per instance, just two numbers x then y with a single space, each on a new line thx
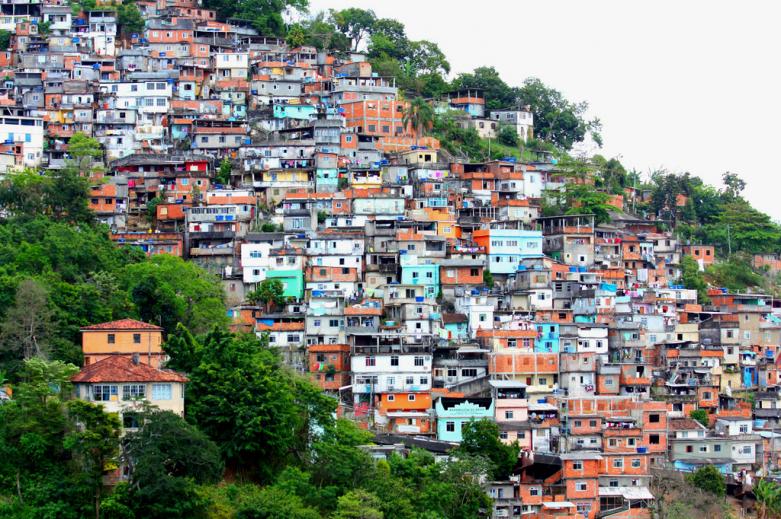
123 324
121 368
684 424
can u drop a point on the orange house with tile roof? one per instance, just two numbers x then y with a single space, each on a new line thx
123 338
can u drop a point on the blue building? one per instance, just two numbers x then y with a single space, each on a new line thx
547 338
507 247
415 273
291 111
456 326
453 413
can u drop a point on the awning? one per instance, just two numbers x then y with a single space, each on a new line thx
629 493
542 407
406 414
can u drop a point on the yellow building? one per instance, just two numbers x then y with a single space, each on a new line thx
124 338
122 385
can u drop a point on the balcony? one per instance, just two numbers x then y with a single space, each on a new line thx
213 251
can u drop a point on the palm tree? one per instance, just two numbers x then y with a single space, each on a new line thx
768 495
419 116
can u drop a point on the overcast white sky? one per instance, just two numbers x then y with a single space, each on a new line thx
682 85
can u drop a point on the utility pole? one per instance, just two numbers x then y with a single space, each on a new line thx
729 243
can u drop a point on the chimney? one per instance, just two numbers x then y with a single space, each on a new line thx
135 359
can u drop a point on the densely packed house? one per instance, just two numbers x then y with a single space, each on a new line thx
422 290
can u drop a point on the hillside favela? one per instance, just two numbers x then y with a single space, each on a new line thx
265 261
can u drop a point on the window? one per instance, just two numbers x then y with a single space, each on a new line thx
111 338
592 423
717 448
452 372
130 420
618 463
133 391
469 372
411 398
136 338
631 442
394 360
423 380
744 429
577 465
409 381
103 392
418 361
746 449
371 361
581 486
689 448
450 426
509 415
654 418
161 391
612 442
503 435
635 463
653 439
613 483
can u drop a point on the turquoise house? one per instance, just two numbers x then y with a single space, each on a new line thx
304 112
453 413
414 273
292 281
456 326
327 179
547 338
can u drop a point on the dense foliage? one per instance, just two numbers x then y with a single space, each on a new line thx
59 270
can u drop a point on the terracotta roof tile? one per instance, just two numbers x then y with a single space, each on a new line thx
123 324
281 327
121 368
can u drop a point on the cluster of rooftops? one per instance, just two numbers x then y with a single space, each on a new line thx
422 290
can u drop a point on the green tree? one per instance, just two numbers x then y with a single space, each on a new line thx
336 459
701 415
270 293
5 39
320 32
130 19
488 278
266 424
296 35
67 195
27 327
167 290
151 208
182 349
481 438
35 481
84 151
354 23
265 15
358 504
275 503
736 273
694 279
507 135
584 199
768 495
498 94
709 479
224 172
556 119
95 443
418 117
733 184
168 458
